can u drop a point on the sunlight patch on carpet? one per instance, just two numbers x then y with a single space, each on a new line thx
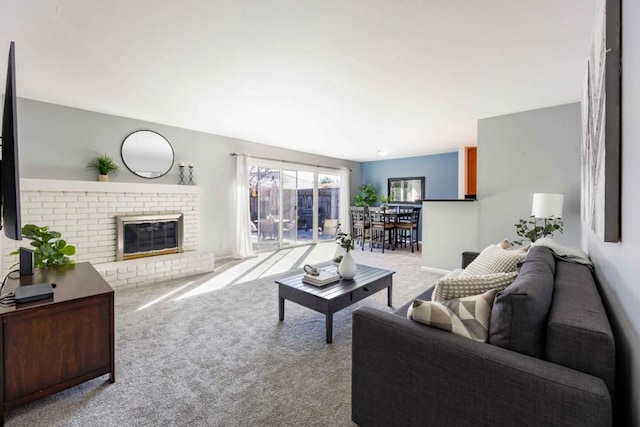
165 296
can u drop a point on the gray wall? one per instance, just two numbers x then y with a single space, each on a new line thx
56 142
618 264
520 154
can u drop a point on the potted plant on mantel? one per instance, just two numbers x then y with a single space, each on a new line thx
104 165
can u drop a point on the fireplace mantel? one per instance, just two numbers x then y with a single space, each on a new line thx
31 184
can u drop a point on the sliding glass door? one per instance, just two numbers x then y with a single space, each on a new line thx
328 205
298 191
291 205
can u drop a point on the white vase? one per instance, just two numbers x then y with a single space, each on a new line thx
347 268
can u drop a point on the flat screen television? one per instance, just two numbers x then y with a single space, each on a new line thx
9 166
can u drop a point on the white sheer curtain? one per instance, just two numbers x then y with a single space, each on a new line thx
345 199
243 247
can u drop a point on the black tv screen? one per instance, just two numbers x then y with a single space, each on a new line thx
10 172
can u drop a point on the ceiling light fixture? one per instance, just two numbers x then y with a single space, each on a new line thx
382 153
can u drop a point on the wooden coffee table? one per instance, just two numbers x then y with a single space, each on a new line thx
331 298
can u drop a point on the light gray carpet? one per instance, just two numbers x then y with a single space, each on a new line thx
222 358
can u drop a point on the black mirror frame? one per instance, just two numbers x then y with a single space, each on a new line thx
173 154
415 178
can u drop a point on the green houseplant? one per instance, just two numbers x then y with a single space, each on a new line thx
367 195
50 249
384 201
104 165
532 231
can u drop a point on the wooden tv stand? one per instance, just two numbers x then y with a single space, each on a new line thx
57 343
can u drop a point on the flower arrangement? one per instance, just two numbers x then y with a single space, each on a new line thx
345 241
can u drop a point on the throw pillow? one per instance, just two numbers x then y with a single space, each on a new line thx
458 287
452 274
494 259
467 317
519 314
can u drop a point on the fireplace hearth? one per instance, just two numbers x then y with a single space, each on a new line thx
148 235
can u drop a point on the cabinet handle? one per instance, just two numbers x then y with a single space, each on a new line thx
365 289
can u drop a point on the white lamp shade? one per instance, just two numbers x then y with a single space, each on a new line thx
546 205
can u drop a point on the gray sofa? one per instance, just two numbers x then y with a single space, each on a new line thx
405 373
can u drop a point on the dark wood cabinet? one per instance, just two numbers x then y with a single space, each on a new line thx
54 344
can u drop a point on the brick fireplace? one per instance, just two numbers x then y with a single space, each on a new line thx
85 213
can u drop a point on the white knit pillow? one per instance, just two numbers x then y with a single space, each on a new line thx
494 259
459 287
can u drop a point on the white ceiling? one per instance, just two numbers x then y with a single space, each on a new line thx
342 78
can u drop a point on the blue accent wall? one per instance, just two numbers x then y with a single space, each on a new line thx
440 172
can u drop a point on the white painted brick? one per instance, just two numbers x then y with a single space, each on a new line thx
54 205
86 210
33 198
67 198
76 216
88 199
99 215
98 205
89 244
87 221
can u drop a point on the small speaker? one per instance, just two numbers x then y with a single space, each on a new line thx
26 261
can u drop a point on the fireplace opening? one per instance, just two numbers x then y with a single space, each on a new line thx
148 235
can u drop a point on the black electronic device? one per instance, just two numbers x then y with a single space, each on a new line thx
9 167
26 261
35 292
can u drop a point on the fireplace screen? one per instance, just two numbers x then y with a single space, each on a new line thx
148 235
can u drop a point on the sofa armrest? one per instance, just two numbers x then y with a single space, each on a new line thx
467 257
405 373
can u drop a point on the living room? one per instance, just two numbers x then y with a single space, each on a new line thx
520 150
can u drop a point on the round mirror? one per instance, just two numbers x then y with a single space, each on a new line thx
147 154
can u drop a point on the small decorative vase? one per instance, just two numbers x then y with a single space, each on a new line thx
347 268
103 178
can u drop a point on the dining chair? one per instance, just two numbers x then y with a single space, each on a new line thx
382 228
359 224
330 228
408 230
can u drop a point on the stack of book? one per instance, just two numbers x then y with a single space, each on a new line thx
323 278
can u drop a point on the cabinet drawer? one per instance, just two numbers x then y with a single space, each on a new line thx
366 291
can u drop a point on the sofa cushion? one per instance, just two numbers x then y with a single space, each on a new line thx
467 317
578 332
494 259
519 314
458 286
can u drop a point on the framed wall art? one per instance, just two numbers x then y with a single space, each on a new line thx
601 130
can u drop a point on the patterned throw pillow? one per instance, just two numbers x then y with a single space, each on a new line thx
467 317
494 259
464 286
